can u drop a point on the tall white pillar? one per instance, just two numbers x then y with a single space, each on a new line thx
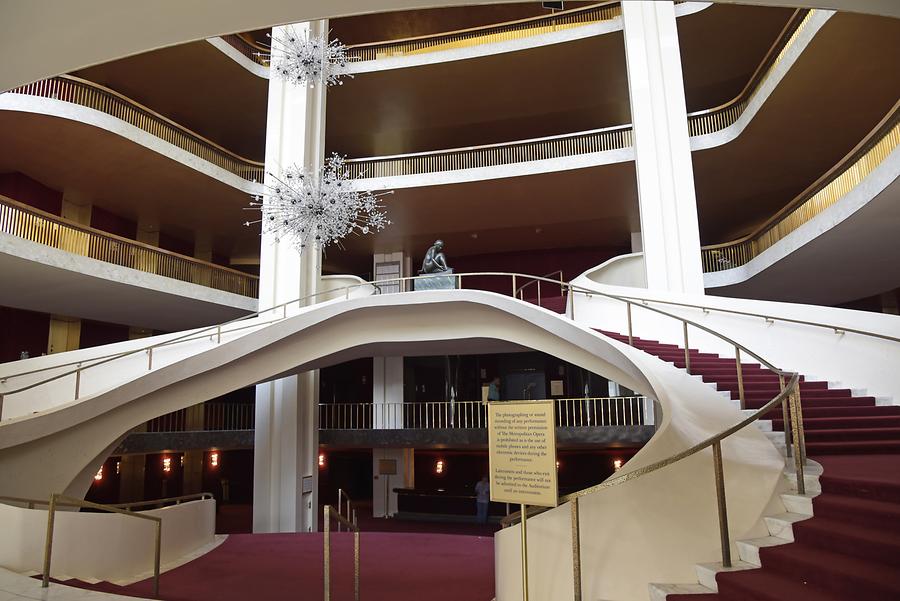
391 468
285 472
665 177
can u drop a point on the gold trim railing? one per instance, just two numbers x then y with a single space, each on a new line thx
825 192
72 502
718 118
492 155
579 143
351 510
94 96
217 417
18 219
155 503
488 34
255 52
462 415
330 513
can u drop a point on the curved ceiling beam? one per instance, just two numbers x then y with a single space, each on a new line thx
43 37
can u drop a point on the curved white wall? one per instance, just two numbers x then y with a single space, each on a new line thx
104 546
66 110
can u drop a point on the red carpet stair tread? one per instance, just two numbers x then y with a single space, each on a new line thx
850 549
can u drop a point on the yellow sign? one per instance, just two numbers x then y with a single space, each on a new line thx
522 452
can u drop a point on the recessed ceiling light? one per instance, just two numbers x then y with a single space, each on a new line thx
473 235
538 230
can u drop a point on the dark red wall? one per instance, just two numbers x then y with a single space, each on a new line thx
96 333
24 189
109 222
22 331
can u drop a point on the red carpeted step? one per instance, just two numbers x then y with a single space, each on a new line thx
764 585
852 434
852 448
858 510
878 544
833 571
859 410
874 490
758 400
859 421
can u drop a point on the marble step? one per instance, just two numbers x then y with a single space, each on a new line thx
659 592
748 550
706 572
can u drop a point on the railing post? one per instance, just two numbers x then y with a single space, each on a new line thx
149 358
539 292
514 285
48 542
77 381
800 427
576 550
1 406
355 562
156 558
524 537
630 336
687 352
720 501
740 376
219 335
327 555
785 417
798 453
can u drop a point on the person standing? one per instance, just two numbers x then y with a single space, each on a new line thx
483 499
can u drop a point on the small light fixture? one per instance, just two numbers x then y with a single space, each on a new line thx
617 464
181 460
321 461
439 466
118 467
557 464
214 459
167 464
99 475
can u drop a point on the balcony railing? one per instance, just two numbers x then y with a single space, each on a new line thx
570 413
255 52
216 417
579 143
493 155
26 222
825 192
488 34
93 96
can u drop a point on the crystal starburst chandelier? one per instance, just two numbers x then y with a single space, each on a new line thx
318 207
305 59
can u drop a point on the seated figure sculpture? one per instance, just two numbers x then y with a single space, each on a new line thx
435 261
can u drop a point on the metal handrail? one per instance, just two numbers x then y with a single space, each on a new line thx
330 513
520 293
85 93
486 34
577 143
31 503
830 188
57 498
35 225
351 511
257 53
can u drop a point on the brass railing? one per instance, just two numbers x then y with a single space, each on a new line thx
488 34
520 293
330 513
492 155
718 118
72 502
18 219
351 510
570 413
825 192
257 53
579 143
155 503
94 96
216 417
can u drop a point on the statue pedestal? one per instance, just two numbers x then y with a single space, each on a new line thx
444 280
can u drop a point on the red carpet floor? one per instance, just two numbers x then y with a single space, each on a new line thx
272 567
850 549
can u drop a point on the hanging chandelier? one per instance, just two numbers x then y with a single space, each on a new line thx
318 207
305 60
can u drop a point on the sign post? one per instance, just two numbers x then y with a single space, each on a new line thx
522 455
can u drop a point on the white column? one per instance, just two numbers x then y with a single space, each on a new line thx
387 407
285 478
669 230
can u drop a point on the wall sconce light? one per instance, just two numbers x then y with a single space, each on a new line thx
214 459
99 475
118 467
181 460
439 467
167 464
321 461
617 464
557 464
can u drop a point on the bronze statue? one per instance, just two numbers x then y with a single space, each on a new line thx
435 261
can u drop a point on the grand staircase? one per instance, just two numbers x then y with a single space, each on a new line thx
850 549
